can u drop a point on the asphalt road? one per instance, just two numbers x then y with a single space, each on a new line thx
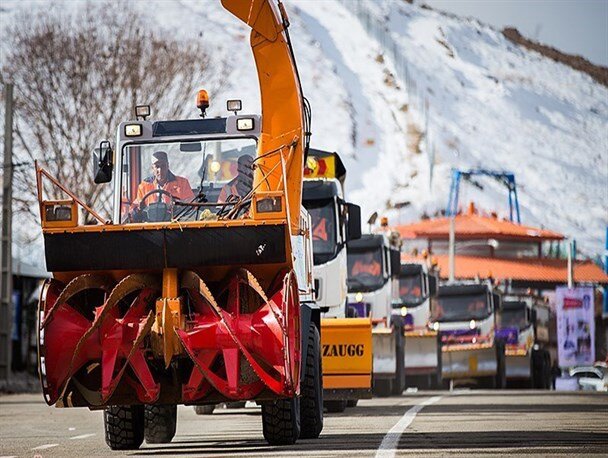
436 423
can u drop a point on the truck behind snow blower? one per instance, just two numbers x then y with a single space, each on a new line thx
200 289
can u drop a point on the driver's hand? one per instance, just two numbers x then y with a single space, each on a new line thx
136 214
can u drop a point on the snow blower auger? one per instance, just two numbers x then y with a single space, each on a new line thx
192 295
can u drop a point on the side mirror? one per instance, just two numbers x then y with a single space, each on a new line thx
432 285
103 163
353 230
395 262
497 299
533 317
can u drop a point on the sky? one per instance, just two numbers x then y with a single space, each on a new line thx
573 26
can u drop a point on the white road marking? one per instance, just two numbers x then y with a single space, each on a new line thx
82 436
44 447
8 456
71 428
389 444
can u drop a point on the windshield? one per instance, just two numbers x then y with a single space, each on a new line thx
365 270
410 290
513 318
157 177
461 308
323 216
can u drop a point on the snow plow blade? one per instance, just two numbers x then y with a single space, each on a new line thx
347 358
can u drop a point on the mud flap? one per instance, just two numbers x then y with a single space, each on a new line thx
518 366
347 358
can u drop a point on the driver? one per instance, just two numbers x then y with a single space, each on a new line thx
163 178
242 183
368 265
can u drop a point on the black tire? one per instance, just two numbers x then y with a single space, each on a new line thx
236 405
281 421
501 367
383 387
204 410
124 427
311 401
160 423
352 403
532 380
336 405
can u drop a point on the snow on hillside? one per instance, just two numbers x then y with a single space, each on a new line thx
490 104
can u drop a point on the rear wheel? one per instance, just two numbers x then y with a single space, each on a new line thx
335 406
281 421
352 403
399 383
124 427
383 387
311 403
204 410
236 405
160 423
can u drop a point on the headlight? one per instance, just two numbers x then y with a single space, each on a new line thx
359 297
472 324
436 326
244 124
403 311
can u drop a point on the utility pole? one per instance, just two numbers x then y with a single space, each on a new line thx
6 273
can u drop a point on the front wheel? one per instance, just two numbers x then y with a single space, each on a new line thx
352 403
124 427
383 387
501 367
160 423
311 403
336 406
281 421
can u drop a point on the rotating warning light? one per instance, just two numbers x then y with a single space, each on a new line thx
202 101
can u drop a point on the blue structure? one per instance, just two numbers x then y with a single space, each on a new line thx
506 178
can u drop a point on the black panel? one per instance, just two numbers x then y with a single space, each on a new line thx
189 127
156 249
318 189
366 241
462 290
410 270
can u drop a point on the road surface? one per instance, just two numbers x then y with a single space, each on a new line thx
431 423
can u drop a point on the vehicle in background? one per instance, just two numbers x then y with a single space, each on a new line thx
373 269
591 378
464 314
346 342
417 286
526 358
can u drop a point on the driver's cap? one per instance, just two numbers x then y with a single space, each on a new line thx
159 156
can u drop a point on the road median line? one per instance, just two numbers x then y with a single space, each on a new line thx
390 443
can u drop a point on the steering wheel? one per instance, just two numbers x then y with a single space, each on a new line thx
154 211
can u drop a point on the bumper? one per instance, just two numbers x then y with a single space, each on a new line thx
385 357
466 361
421 352
518 366
347 357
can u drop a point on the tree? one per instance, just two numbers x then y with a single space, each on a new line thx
78 74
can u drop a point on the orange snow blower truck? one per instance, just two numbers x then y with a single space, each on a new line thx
199 290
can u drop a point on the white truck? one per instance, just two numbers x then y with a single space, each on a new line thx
417 287
373 269
346 342
464 314
523 327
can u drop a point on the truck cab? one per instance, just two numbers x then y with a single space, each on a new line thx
373 270
522 326
417 288
464 315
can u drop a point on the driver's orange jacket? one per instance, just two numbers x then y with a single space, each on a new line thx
372 268
179 187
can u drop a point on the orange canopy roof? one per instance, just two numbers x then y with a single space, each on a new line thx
471 226
526 269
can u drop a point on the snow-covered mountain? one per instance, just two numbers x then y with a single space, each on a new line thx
396 87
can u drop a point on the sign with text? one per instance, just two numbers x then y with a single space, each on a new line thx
575 326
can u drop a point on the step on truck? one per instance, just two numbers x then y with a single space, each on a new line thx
199 290
523 325
417 288
346 342
373 269
464 314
